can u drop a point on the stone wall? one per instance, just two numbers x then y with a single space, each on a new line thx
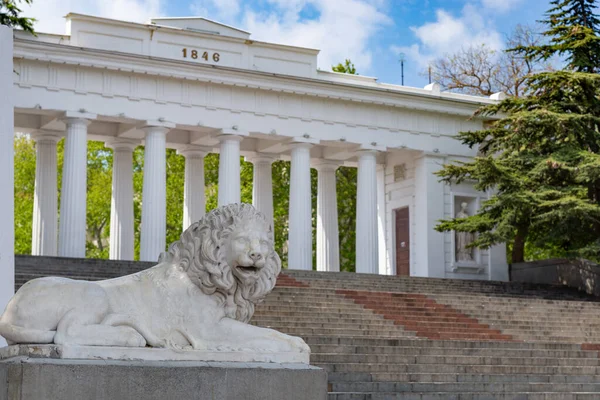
579 274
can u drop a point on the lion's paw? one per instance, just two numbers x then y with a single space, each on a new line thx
301 345
134 339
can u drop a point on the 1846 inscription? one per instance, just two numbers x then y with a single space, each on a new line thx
195 54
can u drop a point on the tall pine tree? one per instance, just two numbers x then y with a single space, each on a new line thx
540 158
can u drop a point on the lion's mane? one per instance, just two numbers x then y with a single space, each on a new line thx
200 252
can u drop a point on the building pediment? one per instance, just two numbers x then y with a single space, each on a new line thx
202 25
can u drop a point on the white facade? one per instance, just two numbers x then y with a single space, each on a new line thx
199 87
7 234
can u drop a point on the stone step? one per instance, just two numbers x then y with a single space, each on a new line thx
451 377
462 387
464 396
447 351
378 320
419 342
448 327
291 315
452 360
462 369
347 332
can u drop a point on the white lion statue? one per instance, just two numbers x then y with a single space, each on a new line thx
200 296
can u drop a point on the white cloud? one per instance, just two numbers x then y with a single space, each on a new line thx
220 10
50 13
501 6
340 29
448 34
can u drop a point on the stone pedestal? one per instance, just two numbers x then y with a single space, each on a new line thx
39 373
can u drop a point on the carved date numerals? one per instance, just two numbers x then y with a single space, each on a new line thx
195 54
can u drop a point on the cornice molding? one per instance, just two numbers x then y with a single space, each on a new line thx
410 99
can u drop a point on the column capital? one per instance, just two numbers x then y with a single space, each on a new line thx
373 146
158 123
306 139
81 115
367 154
119 143
46 136
194 151
301 145
234 131
258 158
229 137
322 164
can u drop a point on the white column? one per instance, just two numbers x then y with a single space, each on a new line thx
429 209
300 225
385 266
194 200
44 235
262 184
7 233
229 169
121 204
72 226
328 245
367 256
154 206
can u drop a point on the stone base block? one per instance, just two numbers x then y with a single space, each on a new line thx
26 378
148 354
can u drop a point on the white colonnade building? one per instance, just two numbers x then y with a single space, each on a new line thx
201 87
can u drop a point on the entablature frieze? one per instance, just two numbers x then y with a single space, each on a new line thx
409 98
201 108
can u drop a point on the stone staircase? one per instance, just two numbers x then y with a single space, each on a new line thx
383 337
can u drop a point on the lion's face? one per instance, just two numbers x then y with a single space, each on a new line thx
229 253
247 249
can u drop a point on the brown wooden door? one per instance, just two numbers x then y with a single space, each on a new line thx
402 241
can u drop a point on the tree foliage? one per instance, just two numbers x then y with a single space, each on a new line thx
482 70
541 158
573 31
346 68
10 15
24 190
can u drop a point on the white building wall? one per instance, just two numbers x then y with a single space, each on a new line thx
7 238
399 194
491 264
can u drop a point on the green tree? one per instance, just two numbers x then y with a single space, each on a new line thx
346 202
346 68
10 15
24 190
541 157
99 178
573 32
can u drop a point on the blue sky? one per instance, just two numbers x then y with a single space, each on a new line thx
370 32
